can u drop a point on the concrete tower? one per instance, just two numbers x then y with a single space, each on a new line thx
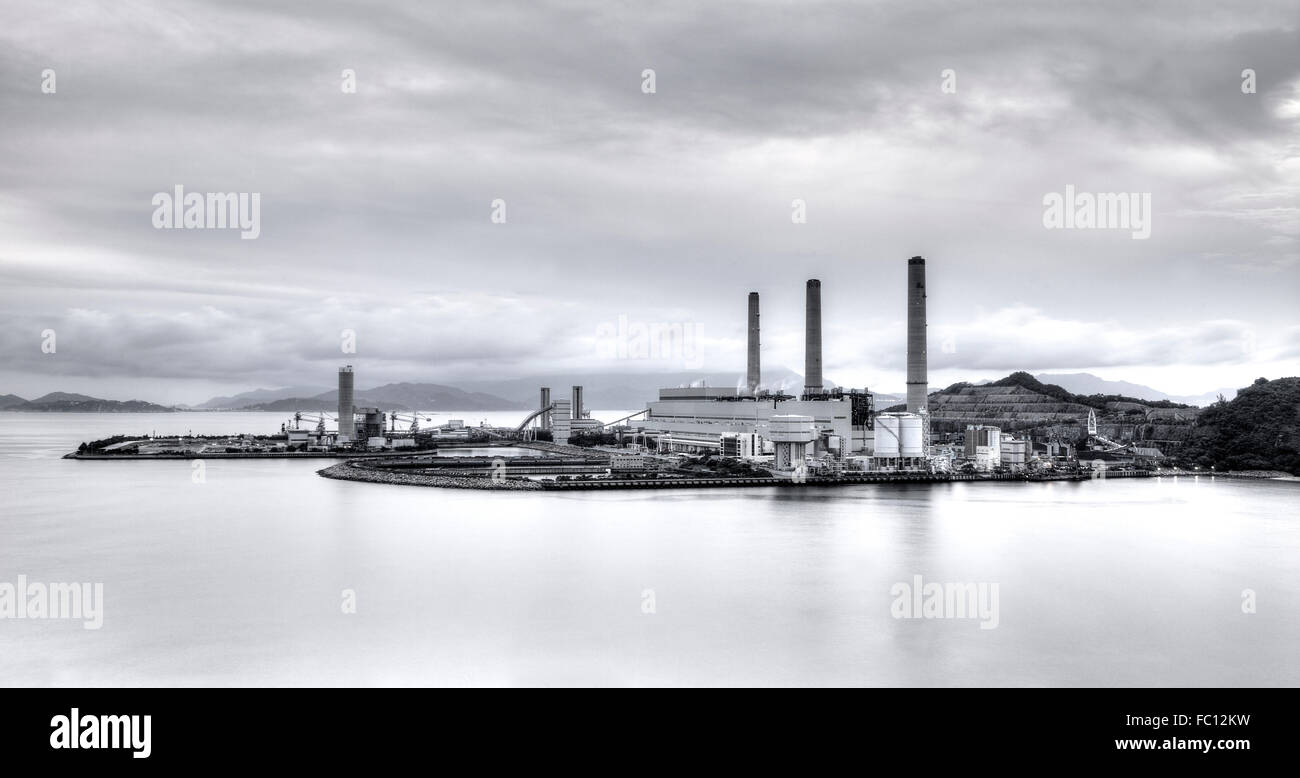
546 401
347 427
753 375
577 402
812 351
917 372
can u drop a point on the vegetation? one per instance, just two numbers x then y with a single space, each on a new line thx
1258 430
712 464
589 439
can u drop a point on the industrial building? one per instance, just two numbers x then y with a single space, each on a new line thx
1014 454
984 446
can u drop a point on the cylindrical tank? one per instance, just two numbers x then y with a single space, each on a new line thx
912 441
888 436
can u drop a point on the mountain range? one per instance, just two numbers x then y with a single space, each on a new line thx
609 391
1089 384
67 402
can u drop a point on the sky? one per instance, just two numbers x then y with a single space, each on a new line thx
636 221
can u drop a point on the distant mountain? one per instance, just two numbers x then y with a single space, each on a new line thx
290 404
1258 430
66 402
10 402
1089 384
428 397
245 399
631 391
62 397
606 391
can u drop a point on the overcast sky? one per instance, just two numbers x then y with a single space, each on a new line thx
663 209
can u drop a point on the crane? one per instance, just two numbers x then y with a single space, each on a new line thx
319 418
414 417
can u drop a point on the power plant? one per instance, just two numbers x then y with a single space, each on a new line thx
758 435
820 430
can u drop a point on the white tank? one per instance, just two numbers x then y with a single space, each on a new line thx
913 443
887 436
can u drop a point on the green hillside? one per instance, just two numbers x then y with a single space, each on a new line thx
1258 430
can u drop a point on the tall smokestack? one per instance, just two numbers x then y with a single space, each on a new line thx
753 375
347 427
577 402
546 402
812 350
917 373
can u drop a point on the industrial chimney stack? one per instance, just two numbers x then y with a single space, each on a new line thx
576 405
917 372
812 373
753 375
347 427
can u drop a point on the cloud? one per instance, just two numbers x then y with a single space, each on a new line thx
663 207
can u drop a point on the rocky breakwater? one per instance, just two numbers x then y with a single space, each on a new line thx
360 471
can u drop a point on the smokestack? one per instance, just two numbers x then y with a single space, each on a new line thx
577 402
546 401
812 350
753 375
917 374
347 427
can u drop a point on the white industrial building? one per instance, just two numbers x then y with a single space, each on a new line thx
1014 454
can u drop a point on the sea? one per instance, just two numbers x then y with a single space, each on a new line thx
237 572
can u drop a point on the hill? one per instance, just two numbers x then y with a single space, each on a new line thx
65 402
1088 384
429 397
291 404
10 402
1021 402
1259 429
245 399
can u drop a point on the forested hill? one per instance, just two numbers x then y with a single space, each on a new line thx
1257 430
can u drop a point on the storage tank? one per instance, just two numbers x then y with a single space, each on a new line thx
888 436
911 437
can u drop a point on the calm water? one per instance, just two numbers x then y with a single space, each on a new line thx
238 581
